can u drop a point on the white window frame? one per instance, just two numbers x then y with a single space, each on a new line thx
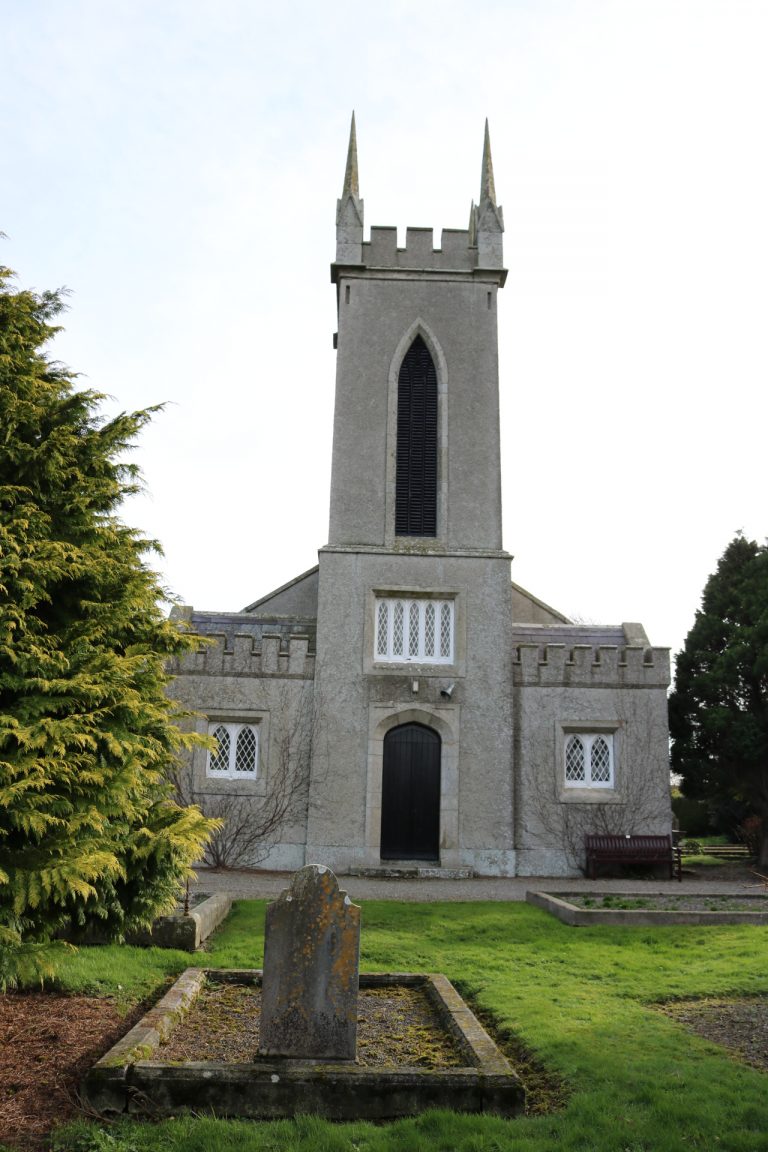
232 772
414 609
588 740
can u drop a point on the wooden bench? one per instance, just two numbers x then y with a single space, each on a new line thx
606 849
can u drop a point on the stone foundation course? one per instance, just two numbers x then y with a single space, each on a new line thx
132 1078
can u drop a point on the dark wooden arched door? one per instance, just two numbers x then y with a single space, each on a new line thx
410 794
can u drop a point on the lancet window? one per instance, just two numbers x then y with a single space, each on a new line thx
416 470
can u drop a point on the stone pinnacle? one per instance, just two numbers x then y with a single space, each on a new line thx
487 187
350 176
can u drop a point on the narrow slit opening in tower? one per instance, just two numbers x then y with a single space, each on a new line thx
416 470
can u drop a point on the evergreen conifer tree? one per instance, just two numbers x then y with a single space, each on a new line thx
718 711
89 832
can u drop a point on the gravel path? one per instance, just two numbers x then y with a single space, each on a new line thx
252 884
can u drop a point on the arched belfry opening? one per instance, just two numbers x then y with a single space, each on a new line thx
416 470
410 794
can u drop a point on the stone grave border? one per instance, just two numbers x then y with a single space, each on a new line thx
130 1078
185 931
557 904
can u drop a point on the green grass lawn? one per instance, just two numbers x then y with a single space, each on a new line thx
580 998
708 861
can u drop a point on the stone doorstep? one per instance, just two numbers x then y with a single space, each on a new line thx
128 1079
397 871
558 905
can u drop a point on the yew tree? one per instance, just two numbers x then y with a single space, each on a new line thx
718 711
89 831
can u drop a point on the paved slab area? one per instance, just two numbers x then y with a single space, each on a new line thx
253 884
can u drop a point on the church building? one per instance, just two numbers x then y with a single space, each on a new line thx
422 709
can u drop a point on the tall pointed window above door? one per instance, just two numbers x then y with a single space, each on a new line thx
416 474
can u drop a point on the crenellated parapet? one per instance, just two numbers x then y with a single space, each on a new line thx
590 666
271 654
456 253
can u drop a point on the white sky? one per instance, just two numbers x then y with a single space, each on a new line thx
176 164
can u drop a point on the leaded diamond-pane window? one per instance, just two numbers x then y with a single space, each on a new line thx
237 751
574 761
245 756
413 630
397 629
406 630
589 760
219 759
381 627
601 761
429 630
446 631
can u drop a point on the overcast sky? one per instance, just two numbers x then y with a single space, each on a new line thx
176 165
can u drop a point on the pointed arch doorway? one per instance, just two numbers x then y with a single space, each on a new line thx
410 794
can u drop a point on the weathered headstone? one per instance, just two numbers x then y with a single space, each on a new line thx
311 968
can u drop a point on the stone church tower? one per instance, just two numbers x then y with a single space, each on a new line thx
415 589
458 723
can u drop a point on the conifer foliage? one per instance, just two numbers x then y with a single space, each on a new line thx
718 711
89 832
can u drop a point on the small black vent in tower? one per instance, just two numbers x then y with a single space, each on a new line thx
416 478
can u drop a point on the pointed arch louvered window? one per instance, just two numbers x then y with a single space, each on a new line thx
416 474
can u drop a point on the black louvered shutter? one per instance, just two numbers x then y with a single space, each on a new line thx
416 477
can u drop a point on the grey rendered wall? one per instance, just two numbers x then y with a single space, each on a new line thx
270 689
528 609
378 319
358 700
605 689
297 598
